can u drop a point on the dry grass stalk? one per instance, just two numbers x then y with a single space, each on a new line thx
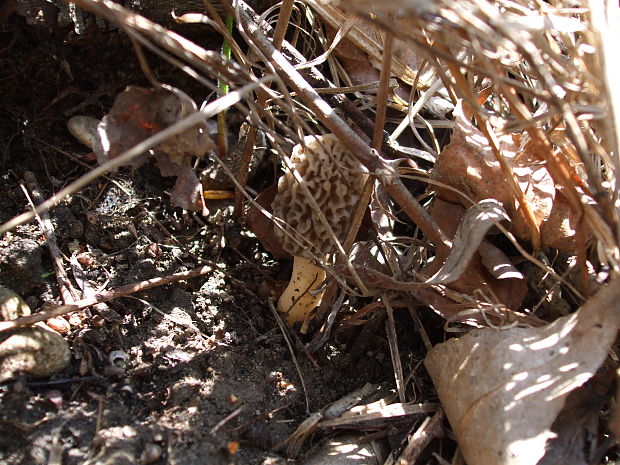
546 67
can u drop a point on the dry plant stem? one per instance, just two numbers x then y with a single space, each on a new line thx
390 329
144 64
244 168
356 222
316 79
67 292
337 18
104 296
223 30
604 15
557 168
191 120
430 429
278 38
377 142
415 316
381 417
310 97
531 52
382 94
220 424
289 344
322 335
283 20
367 156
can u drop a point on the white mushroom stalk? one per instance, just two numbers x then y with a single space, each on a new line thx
335 179
303 292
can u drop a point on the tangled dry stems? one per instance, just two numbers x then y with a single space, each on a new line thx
536 68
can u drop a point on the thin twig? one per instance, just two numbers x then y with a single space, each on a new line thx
242 174
67 291
430 429
289 344
104 296
390 329
382 95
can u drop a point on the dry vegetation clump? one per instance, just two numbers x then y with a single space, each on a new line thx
489 131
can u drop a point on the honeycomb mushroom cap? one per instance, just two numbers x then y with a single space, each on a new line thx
335 178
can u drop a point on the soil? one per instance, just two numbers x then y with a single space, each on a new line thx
191 373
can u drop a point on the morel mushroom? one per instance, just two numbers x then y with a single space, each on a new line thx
335 179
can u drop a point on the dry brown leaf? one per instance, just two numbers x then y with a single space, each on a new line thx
139 113
575 428
262 226
468 165
502 390
187 192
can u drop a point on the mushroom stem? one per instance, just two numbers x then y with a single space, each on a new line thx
300 296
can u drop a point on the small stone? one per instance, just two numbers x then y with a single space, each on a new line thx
129 431
12 305
151 453
34 352
58 323
84 129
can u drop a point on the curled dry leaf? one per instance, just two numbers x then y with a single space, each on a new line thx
502 390
468 165
473 264
508 291
469 234
139 113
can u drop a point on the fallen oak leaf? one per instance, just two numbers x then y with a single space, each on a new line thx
467 165
139 113
502 390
